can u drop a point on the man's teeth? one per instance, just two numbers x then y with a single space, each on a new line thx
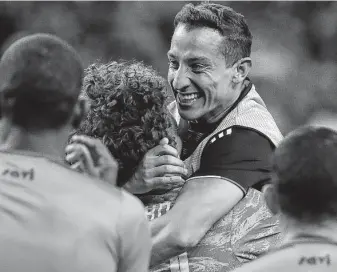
189 96
186 98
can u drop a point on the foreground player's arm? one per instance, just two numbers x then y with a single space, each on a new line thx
91 156
228 168
135 239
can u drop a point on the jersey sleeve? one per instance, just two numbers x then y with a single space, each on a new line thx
239 155
134 235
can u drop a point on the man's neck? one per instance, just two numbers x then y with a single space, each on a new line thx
48 143
218 113
326 230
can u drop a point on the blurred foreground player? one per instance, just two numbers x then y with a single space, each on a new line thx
305 194
53 218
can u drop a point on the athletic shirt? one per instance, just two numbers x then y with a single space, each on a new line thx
55 219
314 254
249 229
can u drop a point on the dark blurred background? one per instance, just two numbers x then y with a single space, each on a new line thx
294 48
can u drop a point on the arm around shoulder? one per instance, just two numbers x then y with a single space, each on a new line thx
229 166
201 204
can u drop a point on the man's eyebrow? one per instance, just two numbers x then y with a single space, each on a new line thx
191 59
196 59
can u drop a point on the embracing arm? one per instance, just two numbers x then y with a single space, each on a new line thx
230 165
160 167
202 203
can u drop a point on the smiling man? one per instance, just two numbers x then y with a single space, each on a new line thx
219 218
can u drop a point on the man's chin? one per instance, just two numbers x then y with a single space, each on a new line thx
189 115
192 111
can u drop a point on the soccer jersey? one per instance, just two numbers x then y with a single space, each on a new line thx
236 150
55 219
240 155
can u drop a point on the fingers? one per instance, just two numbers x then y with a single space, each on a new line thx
165 182
168 170
88 141
163 150
95 146
78 166
164 141
168 160
74 155
79 152
75 152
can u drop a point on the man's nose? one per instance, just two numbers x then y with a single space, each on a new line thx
181 80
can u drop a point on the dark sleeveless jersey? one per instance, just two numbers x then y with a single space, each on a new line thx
249 229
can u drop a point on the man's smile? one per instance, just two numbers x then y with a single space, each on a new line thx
187 99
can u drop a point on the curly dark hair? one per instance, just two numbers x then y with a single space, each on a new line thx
128 111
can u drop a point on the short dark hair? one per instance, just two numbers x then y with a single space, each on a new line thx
306 174
40 80
230 24
127 111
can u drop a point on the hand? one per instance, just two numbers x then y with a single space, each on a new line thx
160 168
91 156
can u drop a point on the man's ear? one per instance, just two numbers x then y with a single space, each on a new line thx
5 128
6 116
80 112
270 196
242 69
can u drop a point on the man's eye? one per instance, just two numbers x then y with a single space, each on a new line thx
197 67
173 64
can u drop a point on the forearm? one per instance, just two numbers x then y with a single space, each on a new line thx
199 206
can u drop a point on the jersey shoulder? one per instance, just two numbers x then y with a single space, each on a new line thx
299 258
63 187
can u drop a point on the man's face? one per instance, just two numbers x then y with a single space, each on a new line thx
198 75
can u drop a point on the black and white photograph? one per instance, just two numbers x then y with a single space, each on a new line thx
168 136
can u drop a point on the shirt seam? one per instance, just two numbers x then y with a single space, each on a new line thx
220 177
259 133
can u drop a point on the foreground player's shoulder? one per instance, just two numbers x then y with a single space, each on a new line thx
134 233
132 219
133 208
301 258
87 191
